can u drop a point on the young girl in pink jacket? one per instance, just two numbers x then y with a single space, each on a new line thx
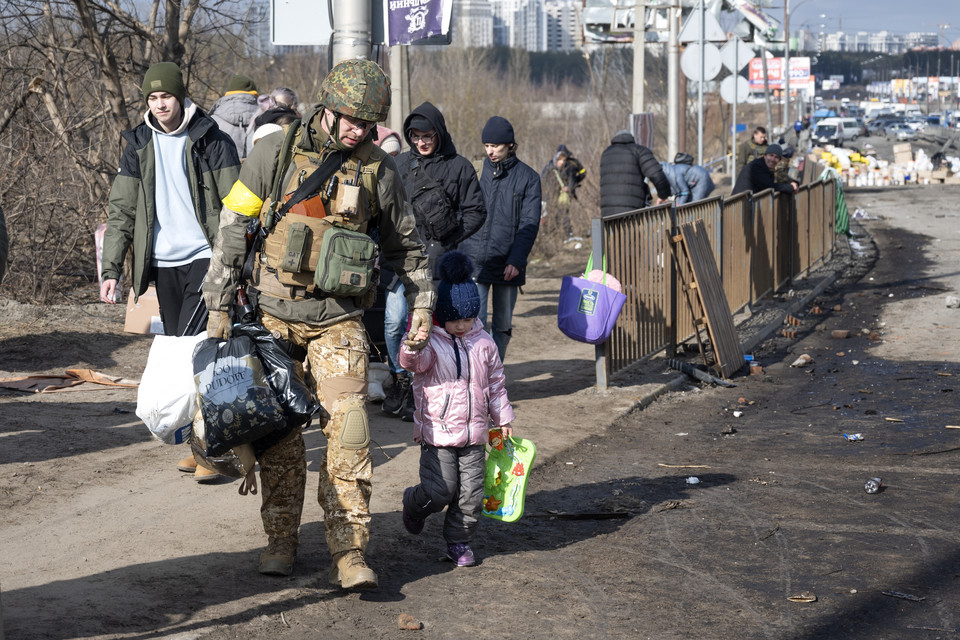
458 389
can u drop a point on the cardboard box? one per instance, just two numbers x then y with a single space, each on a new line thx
939 174
902 147
143 316
903 157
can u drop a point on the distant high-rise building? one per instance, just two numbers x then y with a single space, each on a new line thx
472 23
517 23
561 25
916 39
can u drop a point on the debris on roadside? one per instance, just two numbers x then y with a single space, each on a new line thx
840 334
802 361
853 437
407 622
803 596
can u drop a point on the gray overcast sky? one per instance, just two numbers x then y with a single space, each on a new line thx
895 16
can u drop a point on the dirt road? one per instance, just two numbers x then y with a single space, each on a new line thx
102 538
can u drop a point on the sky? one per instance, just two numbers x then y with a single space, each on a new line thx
895 16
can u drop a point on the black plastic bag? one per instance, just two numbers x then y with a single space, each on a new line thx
298 401
236 400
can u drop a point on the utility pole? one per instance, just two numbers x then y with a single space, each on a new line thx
399 87
673 83
639 52
786 65
351 30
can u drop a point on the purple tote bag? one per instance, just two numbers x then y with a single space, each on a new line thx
587 311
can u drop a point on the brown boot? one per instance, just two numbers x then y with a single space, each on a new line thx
350 571
277 558
204 475
188 464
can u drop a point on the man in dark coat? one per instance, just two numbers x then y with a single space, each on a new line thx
759 174
624 168
511 191
440 184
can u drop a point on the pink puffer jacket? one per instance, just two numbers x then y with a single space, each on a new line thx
455 410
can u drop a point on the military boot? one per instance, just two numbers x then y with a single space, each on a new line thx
277 558
393 402
350 571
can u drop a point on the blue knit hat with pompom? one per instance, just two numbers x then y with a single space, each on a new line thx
457 293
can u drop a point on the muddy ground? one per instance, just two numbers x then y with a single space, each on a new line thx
103 538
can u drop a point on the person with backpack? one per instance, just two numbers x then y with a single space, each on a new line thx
235 111
688 182
448 206
321 204
165 203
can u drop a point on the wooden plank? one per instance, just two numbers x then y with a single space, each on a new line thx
719 320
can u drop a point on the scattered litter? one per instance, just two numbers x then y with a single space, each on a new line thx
953 302
737 414
873 485
693 480
855 362
944 374
903 596
840 334
953 426
838 307
889 295
853 437
840 354
804 596
407 622
681 434
893 419
856 246
802 361
682 466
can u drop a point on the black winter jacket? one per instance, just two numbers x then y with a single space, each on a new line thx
757 177
511 191
624 167
454 173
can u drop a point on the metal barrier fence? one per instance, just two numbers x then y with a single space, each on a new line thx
760 241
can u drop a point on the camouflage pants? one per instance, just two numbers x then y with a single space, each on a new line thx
338 356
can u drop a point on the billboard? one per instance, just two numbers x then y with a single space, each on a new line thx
799 74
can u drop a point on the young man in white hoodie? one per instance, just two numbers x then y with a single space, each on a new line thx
165 205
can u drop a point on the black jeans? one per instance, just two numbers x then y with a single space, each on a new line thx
178 292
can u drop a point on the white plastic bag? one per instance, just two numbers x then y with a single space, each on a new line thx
167 397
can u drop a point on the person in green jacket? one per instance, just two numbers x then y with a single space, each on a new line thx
165 202
164 205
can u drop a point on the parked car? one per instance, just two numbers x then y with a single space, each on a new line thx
900 131
880 123
862 127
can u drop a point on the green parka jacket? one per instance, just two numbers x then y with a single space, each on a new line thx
212 168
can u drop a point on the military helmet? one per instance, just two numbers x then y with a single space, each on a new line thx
357 88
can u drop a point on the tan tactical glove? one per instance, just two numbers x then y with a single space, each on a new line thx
218 324
422 319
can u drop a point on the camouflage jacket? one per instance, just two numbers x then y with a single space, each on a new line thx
393 223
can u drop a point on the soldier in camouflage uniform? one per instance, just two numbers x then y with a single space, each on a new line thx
353 97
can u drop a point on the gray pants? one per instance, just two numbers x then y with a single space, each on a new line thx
450 477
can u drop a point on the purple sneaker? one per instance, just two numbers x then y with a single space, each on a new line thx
462 554
411 524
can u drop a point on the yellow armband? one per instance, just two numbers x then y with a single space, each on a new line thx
243 201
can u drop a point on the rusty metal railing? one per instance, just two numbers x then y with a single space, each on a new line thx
760 241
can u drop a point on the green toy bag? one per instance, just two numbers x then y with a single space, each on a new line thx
505 481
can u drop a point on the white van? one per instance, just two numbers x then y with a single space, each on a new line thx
835 131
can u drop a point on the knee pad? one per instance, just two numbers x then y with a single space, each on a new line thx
355 431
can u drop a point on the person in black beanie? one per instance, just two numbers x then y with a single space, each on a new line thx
459 390
499 250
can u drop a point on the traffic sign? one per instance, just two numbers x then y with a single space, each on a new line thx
735 84
735 54
691 30
690 61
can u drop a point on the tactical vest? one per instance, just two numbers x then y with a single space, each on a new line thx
286 266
